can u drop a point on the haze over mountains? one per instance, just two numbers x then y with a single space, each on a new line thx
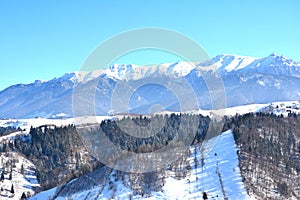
246 80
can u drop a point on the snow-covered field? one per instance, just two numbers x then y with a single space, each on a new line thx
26 124
283 108
36 122
276 108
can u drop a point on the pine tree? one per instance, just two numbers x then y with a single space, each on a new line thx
10 175
2 176
205 195
23 197
22 169
12 189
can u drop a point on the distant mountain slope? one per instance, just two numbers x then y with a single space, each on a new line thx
246 80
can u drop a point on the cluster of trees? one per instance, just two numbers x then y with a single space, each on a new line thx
7 130
140 183
53 150
269 150
269 153
58 154
154 133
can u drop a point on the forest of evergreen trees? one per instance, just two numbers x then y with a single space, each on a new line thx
7 130
166 128
269 149
269 154
60 155
57 153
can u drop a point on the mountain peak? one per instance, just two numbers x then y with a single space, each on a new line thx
275 55
228 62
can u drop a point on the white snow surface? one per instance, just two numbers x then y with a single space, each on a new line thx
134 72
36 122
277 108
48 194
85 76
237 62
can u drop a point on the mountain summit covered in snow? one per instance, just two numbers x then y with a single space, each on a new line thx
245 79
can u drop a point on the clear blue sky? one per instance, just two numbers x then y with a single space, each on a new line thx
45 39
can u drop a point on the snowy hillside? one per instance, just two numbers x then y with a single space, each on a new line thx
26 124
14 164
246 80
219 177
278 108
220 160
23 179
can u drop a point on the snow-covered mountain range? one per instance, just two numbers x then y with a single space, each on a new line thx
245 79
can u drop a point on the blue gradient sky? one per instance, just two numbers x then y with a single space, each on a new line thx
45 39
